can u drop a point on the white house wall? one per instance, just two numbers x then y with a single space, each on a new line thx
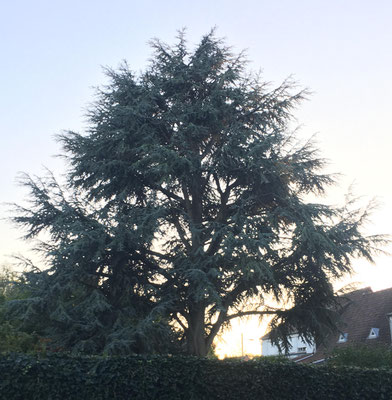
297 345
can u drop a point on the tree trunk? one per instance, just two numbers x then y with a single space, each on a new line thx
196 340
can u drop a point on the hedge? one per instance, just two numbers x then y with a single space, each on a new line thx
66 377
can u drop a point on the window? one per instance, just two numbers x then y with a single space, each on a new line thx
301 349
343 338
374 333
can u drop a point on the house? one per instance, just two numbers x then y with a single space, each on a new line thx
366 319
298 347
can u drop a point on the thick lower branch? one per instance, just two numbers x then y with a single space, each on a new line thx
246 313
216 327
223 317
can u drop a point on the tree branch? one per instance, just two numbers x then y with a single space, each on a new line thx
175 316
254 312
187 201
215 328
218 186
223 317
208 148
181 232
219 219
231 297
154 267
159 255
170 194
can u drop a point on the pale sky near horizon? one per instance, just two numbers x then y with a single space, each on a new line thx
52 55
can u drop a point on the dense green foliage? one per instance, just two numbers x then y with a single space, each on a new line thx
365 356
61 377
12 338
185 207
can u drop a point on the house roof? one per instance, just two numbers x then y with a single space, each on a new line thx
363 310
367 310
345 299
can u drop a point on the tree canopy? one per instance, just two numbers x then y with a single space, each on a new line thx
186 207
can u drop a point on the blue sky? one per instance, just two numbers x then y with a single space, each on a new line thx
52 53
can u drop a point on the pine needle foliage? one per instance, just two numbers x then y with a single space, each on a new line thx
186 199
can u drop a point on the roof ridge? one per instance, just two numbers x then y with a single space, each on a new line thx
383 290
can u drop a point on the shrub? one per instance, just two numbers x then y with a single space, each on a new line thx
362 356
67 377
